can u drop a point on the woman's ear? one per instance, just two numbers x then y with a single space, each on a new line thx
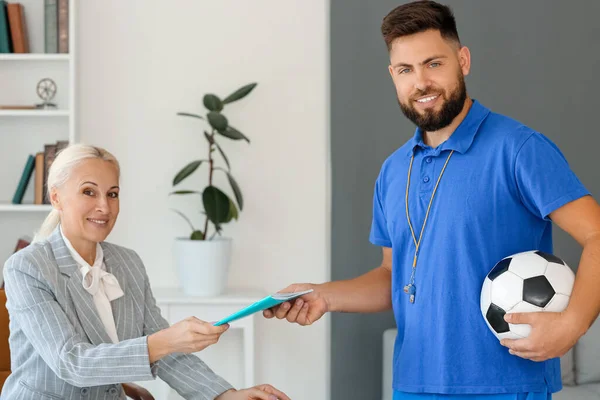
55 199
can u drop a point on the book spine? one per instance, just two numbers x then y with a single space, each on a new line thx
50 26
49 154
16 20
24 181
5 43
63 26
38 193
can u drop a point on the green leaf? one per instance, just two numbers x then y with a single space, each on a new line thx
197 235
236 190
217 120
240 93
185 218
187 171
183 114
234 134
184 192
216 205
212 102
233 212
223 155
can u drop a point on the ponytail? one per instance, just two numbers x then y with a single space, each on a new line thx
50 223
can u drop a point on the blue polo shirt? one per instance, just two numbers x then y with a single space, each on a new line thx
493 201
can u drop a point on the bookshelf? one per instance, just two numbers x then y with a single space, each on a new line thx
25 131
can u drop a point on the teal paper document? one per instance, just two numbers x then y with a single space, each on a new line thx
263 304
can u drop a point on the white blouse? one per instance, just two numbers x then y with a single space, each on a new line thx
103 286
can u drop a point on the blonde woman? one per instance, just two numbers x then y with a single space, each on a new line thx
83 319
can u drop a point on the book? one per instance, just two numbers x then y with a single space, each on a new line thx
263 304
22 242
17 106
38 192
49 155
50 26
5 42
24 181
61 145
63 26
18 28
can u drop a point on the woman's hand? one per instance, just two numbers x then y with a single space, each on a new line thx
187 336
136 392
260 392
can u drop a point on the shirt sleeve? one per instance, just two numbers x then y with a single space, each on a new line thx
379 232
545 181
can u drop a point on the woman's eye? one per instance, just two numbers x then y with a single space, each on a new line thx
88 192
113 195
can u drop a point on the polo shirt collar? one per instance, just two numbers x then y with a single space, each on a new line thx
462 138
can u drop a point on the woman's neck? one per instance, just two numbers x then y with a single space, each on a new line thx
85 248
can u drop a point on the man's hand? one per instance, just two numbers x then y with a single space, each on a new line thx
136 392
305 310
260 392
552 335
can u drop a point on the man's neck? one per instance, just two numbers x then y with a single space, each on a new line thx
435 138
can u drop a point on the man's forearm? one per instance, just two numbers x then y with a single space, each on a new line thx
368 293
584 304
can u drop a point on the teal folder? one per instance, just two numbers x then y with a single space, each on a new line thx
263 304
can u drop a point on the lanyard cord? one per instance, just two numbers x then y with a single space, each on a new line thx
418 242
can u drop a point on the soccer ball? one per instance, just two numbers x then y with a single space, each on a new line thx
531 281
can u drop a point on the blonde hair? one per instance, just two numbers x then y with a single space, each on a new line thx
60 171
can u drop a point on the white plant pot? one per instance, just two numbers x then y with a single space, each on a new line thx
203 265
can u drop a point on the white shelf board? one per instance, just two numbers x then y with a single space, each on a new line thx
25 207
35 57
35 113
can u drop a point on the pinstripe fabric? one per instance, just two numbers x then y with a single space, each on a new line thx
59 347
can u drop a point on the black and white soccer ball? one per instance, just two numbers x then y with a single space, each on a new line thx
531 281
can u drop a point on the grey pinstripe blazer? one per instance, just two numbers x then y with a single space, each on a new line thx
59 347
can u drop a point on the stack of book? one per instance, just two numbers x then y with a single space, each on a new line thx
13 28
40 163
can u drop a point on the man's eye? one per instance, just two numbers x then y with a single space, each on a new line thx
404 71
434 64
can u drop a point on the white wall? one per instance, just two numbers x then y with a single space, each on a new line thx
140 62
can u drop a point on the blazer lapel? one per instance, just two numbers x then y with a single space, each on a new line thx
122 307
84 302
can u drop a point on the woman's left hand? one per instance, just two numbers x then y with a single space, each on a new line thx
136 392
260 392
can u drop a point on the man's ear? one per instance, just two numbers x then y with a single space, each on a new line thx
464 58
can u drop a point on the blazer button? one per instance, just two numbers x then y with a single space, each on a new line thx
85 391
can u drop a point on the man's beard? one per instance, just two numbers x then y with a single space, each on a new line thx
431 120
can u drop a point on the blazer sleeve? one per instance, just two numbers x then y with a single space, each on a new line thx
33 309
186 373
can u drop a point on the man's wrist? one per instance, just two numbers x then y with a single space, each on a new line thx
327 291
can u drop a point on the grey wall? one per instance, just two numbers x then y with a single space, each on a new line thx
534 60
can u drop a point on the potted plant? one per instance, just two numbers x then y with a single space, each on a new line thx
203 257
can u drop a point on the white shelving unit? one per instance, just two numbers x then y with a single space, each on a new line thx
24 132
